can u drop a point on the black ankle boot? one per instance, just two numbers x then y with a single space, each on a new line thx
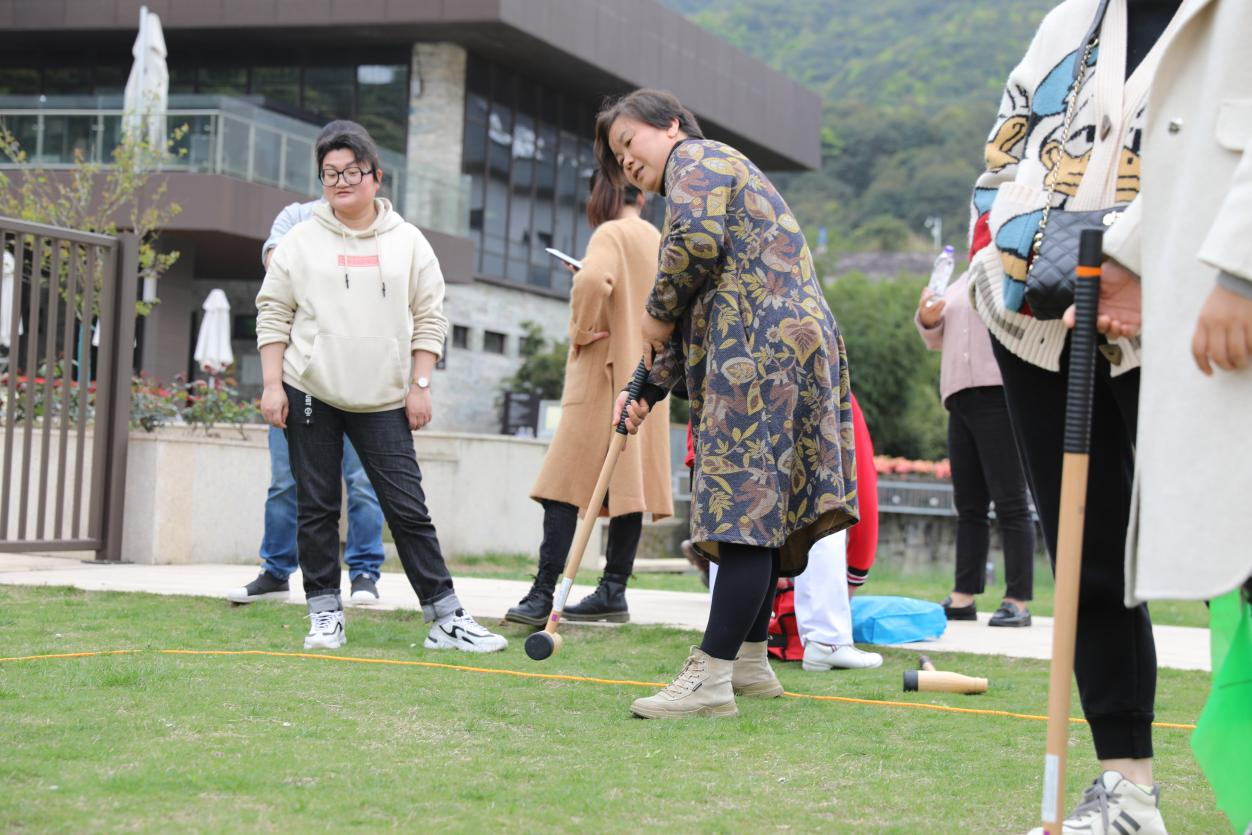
535 607
607 602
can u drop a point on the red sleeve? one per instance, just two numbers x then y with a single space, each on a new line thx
981 235
863 536
691 447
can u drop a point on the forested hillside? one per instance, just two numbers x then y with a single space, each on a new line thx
909 88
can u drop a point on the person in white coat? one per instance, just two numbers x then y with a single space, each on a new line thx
1188 237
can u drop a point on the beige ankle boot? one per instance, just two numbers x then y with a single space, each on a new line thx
701 689
753 675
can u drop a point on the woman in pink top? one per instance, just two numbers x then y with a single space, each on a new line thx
985 464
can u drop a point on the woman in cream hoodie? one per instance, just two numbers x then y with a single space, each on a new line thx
349 325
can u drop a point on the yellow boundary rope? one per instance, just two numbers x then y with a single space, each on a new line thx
550 677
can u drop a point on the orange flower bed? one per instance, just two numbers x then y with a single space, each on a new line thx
896 466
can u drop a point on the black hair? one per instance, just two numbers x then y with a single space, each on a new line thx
343 135
658 108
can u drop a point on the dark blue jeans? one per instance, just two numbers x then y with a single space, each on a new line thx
385 445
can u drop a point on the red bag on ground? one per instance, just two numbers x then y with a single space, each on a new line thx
784 634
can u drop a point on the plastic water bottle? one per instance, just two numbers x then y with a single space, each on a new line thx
942 272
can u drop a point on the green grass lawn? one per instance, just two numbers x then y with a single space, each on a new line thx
228 743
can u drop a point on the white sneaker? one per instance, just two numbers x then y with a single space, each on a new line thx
1113 805
460 631
821 657
325 631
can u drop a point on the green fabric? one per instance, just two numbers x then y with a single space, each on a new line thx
1222 741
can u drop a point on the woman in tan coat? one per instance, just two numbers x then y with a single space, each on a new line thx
606 303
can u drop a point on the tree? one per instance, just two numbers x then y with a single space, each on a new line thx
128 194
542 371
895 378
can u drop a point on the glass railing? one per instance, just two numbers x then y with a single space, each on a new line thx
225 135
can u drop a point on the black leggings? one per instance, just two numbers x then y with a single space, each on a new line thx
743 599
1115 656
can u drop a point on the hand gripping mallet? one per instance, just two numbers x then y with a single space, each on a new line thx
543 644
1078 397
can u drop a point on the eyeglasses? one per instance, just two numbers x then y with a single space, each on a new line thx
351 175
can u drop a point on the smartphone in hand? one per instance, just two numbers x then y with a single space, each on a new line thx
568 259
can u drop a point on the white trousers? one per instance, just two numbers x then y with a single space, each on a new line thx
823 610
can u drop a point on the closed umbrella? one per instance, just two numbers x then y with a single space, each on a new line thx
6 301
148 87
213 353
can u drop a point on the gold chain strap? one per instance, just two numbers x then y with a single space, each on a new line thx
1071 106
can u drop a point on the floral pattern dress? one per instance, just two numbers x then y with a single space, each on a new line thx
760 355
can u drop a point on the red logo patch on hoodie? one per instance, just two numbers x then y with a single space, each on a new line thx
358 260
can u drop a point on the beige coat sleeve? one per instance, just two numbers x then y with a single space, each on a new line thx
276 302
1123 243
593 285
430 326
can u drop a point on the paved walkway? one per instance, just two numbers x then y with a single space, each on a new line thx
1180 647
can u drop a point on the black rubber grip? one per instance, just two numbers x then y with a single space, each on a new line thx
1082 345
633 391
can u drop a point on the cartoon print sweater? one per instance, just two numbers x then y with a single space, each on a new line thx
1098 167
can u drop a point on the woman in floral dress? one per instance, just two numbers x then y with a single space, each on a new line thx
737 317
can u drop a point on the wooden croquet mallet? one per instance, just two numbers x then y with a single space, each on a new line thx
1078 400
543 644
928 678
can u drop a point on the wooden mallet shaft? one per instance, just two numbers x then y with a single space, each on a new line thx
542 644
1078 403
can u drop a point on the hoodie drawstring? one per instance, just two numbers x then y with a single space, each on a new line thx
378 248
378 259
343 248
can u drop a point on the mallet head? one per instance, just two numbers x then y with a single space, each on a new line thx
542 645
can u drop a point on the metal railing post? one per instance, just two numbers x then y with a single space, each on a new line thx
124 290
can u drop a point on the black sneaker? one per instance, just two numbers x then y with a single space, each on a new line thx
265 587
364 592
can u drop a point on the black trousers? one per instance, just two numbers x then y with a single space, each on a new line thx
560 519
385 445
986 467
1115 661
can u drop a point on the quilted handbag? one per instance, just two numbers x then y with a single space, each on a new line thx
1050 278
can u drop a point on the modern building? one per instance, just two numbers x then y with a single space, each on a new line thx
484 109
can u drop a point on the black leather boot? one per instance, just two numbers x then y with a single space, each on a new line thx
535 607
607 602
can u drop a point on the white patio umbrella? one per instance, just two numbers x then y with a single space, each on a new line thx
148 87
213 353
6 300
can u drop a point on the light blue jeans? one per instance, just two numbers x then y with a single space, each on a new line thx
364 551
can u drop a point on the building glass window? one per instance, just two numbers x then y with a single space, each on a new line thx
370 86
528 152
460 336
223 81
493 343
382 104
276 85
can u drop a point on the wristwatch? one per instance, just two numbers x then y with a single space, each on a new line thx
421 382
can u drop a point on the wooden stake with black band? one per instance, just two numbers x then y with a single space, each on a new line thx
543 644
1078 402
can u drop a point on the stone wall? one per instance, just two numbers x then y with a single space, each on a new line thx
433 194
467 392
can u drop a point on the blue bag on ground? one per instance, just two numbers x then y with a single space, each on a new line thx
895 620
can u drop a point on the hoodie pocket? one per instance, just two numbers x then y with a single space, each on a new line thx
358 373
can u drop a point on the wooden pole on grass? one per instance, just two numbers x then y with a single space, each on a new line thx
1073 509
